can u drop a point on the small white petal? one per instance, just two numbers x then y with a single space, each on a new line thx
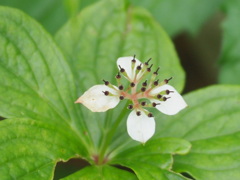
172 105
126 63
95 100
140 128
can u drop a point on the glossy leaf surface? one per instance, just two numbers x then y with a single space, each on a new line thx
211 124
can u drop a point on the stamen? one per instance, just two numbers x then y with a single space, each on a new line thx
167 80
156 82
155 104
143 89
139 67
147 63
121 97
130 106
149 68
132 84
144 83
122 70
118 76
150 115
165 98
106 93
156 72
168 92
134 60
143 103
120 87
106 82
159 96
138 113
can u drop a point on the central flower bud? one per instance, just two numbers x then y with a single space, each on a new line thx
142 84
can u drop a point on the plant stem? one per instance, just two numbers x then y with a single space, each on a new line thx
109 135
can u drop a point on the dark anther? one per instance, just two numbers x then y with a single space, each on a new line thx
121 97
138 113
147 63
130 106
167 80
134 60
106 93
168 92
120 87
139 67
149 68
118 76
144 83
132 84
121 69
150 115
143 89
165 98
155 104
143 103
156 82
106 82
156 72
159 96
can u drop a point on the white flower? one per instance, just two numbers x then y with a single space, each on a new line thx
143 86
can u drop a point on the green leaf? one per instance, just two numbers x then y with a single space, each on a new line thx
210 123
38 82
52 14
214 158
154 159
30 149
230 57
101 172
92 45
177 16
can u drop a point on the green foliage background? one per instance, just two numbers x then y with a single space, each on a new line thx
42 75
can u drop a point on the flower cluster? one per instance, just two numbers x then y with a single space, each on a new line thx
143 90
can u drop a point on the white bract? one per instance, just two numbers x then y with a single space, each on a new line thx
144 91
